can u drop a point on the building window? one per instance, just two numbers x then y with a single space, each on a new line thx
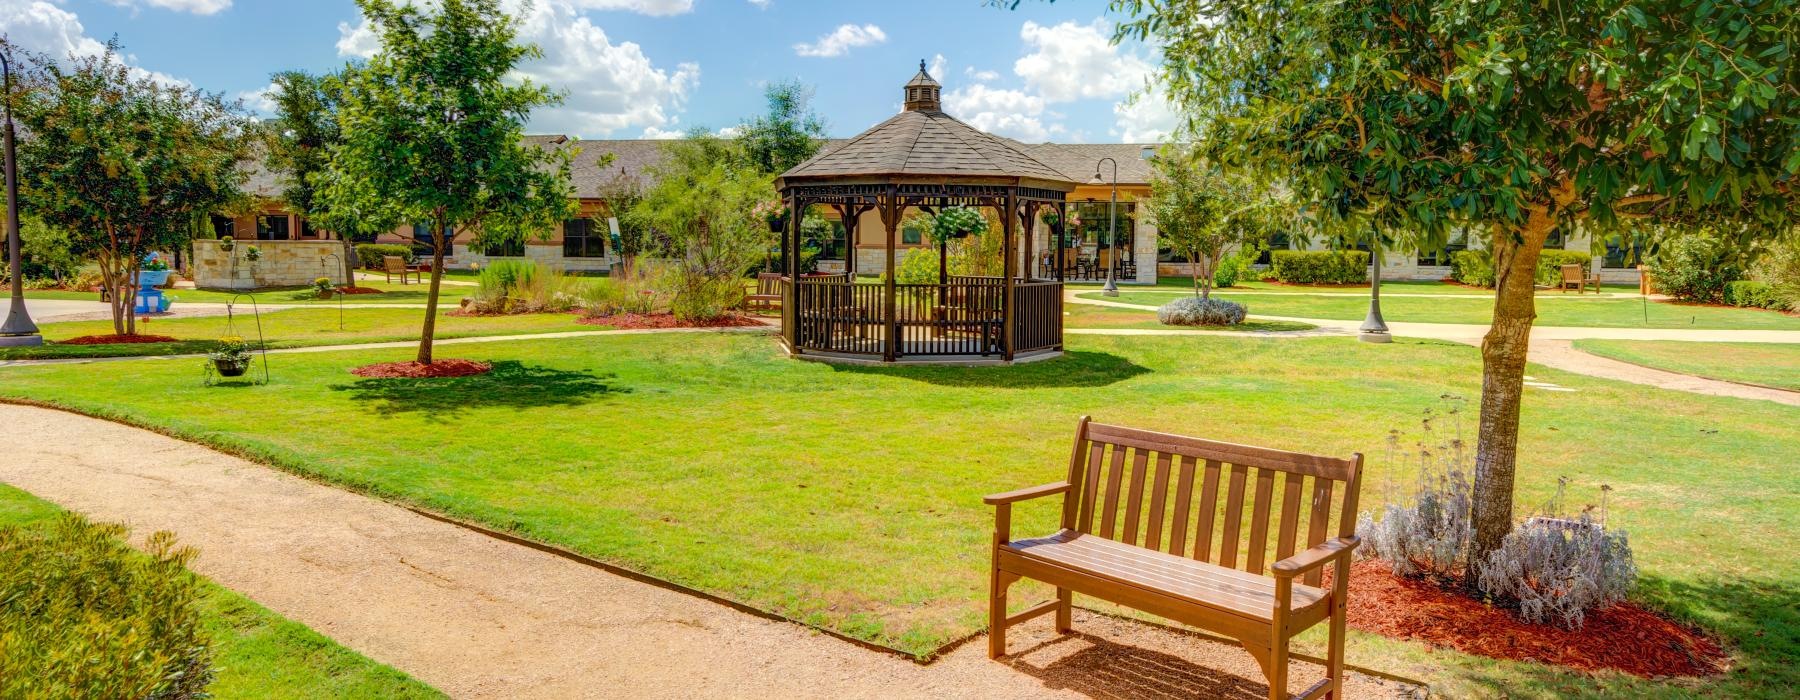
306 229
272 227
1623 251
1459 241
582 238
912 235
829 238
422 237
223 227
503 249
1277 241
1095 225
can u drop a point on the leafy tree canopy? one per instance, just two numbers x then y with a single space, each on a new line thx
788 134
1205 211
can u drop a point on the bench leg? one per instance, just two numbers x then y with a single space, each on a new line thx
1065 611
998 584
1334 650
1278 669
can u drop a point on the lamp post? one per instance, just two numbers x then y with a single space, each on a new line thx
1112 227
18 330
1374 329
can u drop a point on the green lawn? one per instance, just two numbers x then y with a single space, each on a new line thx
1551 311
1090 316
1768 364
713 462
1387 286
258 653
449 295
286 329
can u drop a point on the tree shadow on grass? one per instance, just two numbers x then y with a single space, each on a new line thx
1076 368
509 384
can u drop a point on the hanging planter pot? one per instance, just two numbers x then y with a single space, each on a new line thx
231 367
777 224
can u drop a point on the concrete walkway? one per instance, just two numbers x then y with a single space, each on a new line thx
1551 346
479 617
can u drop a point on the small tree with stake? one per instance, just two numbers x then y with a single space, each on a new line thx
124 163
432 129
1206 212
305 129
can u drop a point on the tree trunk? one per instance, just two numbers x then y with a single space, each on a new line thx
1503 355
349 261
110 284
439 242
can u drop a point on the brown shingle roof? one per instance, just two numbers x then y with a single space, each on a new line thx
1077 161
925 143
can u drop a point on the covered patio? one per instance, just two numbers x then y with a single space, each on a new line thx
922 159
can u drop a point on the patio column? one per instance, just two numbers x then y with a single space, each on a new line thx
1007 275
890 218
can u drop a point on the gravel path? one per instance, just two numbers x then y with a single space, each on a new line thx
480 617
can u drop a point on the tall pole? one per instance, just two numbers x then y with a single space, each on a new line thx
1374 329
1112 230
18 330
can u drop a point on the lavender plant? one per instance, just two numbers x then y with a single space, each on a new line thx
1430 534
1557 569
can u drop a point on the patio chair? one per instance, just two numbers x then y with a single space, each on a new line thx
1572 275
396 265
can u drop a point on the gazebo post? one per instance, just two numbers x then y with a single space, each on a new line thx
1008 283
1062 227
1027 225
890 217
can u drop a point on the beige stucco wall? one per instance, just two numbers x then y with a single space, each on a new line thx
282 264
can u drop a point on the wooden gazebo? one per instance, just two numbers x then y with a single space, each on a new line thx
925 159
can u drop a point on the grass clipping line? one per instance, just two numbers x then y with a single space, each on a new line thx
414 370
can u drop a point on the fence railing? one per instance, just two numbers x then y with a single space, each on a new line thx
964 317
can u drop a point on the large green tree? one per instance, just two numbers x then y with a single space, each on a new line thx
124 162
1520 116
701 220
432 129
302 134
1206 212
787 134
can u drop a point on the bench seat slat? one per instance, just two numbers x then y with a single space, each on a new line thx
1193 581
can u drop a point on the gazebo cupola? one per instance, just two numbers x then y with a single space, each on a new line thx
925 160
922 92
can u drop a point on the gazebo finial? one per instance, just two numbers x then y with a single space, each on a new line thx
922 92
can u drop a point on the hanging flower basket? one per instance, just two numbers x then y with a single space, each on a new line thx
231 357
777 224
231 368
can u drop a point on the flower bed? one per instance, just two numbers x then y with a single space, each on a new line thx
1624 637
358 290
439 368
117 339
643 321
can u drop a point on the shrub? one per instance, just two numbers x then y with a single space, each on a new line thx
370 254
629 292
1752 293
1194 311
1320 266
1230 269
1550 262
1692 268
809 263
918 266
1553 569
83 615
1473 267
1781 269
523 286
694 295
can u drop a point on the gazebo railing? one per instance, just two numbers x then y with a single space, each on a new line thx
835 314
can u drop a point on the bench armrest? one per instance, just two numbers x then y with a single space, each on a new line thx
1327 551
1026 494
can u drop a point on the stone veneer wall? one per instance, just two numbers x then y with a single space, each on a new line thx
549 254
283 264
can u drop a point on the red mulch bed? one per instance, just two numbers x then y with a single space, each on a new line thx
1623 638
1346 285
358 290
414 370
116 339
642 321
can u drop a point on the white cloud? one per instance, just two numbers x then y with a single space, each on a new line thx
980 76
760 4
261 100
1078 61
1148 119
938 64
39 26
655 8
1005 112
841 40
198 7
662 134
610 87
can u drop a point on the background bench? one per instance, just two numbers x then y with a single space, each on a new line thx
1180 550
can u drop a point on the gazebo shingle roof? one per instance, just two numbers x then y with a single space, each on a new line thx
924 143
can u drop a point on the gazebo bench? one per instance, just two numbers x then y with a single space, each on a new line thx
1166 486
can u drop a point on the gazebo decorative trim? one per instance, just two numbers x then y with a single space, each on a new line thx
925 159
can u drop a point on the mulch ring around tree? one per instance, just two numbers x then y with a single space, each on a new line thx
117 339
1624 638
642 321
414 370
358 290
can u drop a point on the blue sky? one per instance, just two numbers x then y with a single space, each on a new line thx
637 68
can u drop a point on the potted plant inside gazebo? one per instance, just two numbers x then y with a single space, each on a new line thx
231 357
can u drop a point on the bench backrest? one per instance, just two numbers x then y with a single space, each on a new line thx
1196 498
1571 273
393 263
768 283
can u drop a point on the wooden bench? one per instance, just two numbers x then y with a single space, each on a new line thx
1170 556
768 293
396 265
1572 275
